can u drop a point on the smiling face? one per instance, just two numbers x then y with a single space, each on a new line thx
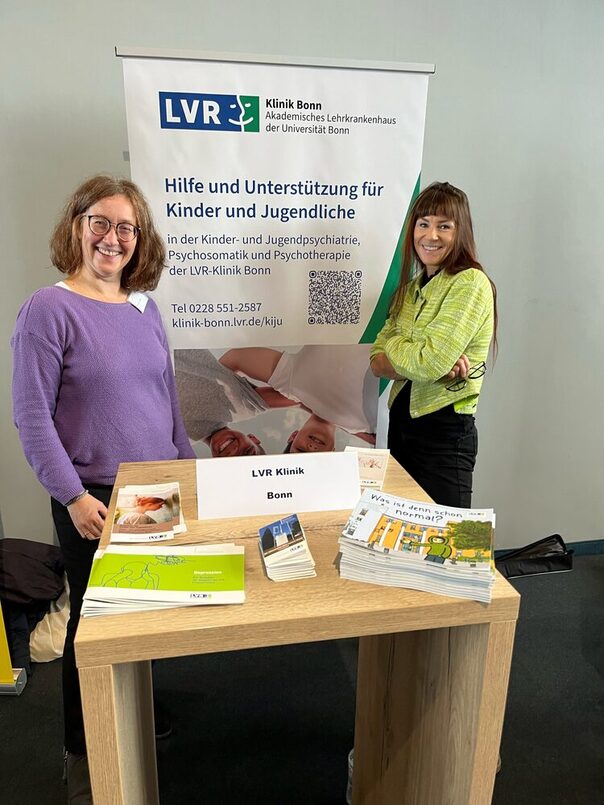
433 239
104 257
316 436
227 442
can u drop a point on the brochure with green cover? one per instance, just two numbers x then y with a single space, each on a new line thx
133 578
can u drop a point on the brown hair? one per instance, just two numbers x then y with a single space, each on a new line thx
149 257
441 198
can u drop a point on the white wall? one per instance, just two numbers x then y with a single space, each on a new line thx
515 117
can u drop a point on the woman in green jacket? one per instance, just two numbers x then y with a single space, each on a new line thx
443 314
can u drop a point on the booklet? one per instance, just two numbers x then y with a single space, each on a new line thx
149 513
130 578
373 463
408 543
285 551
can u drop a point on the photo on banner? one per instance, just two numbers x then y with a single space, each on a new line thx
256 400
281 191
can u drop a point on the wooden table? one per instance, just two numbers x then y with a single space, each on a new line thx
432 672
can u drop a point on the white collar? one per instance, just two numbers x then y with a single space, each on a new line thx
136 298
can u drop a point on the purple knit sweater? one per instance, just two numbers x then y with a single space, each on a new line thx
93 386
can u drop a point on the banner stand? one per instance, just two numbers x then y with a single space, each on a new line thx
281 188
194 55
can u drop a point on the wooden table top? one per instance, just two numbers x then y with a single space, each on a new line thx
274 613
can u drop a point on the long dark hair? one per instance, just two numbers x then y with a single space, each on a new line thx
441 198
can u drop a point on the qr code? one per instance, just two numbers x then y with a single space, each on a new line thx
334 297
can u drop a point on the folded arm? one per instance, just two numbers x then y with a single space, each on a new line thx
381 367
439 349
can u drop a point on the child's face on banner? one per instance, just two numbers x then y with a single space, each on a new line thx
316 436
227 442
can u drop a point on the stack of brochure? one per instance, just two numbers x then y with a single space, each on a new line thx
149 513
284 550
129 578
373 463
407 543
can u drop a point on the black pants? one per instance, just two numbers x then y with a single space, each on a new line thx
77 555
438 450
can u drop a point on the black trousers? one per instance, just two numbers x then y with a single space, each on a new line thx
438 450
77 555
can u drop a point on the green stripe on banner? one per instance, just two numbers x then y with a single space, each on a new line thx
380 313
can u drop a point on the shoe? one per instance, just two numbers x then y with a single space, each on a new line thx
163 725
77 777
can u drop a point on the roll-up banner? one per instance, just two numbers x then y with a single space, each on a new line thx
281 190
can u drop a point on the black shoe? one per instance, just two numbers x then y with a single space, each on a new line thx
163 725
77 777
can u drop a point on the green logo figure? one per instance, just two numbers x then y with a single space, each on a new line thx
246 112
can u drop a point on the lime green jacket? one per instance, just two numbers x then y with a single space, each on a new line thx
450 316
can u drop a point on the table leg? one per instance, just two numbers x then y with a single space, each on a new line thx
430 707
117 701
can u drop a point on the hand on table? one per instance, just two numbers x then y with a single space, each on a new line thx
88 516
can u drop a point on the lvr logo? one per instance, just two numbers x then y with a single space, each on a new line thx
192 110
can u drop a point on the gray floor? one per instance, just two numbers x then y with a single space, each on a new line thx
553 739
274 726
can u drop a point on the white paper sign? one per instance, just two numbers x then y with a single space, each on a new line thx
248 485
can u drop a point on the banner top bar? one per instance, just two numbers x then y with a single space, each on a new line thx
196 55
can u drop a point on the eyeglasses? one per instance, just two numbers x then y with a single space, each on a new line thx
99 225
473 373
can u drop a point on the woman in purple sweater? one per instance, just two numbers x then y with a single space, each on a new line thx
93 384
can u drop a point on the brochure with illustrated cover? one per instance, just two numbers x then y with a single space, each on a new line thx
128 578
149 513
407 543
285 551
372 465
